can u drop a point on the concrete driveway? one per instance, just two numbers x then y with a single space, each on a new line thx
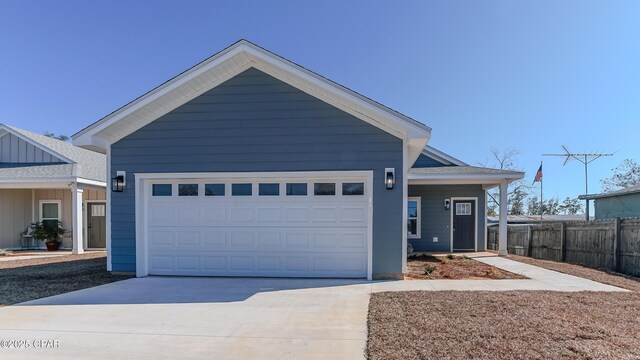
196 318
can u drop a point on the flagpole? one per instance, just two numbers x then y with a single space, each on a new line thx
541 202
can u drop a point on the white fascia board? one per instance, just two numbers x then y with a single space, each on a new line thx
97 183
36 183
257 175
227 64
36 144
485 181
442 157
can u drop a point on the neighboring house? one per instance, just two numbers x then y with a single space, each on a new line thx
623 203
42 178
534 219
250 165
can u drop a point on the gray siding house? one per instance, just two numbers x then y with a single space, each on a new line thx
42 179
250 165
624 203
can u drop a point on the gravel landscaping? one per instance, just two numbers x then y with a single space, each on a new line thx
426 267
23 280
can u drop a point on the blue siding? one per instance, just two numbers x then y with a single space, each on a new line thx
618 207
255 122
436 221
423 161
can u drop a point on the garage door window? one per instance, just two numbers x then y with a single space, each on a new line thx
213 189
269 189
241 189
324 189
161 190
188 190
352 188
296 189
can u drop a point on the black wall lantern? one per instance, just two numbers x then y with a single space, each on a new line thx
389 178
118 182
447 204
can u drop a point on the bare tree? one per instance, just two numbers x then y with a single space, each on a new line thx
54 136
505 159
624 175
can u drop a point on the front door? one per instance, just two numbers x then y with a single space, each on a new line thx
96 226
464 224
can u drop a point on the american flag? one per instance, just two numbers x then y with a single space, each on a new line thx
538 177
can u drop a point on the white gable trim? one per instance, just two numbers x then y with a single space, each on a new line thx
9 130
441 157
229 63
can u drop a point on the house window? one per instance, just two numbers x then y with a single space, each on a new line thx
413 217
296 189
187 189
50 212
463 209
324 188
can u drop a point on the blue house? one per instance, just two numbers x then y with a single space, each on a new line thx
250 165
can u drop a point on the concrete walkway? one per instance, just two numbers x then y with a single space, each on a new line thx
226 318
26 255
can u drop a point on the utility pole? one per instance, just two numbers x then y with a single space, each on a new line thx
586 159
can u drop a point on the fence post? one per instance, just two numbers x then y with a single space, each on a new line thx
529 241
616 244
563 242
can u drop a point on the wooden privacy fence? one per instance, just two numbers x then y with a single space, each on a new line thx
609 244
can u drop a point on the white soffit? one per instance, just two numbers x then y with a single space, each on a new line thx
229 63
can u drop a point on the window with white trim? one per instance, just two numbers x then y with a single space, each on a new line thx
50 212
413 218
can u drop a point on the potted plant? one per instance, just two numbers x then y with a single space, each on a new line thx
49 231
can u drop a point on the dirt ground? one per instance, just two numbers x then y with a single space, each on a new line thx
23 280
504 325
603 276
509 325
459 267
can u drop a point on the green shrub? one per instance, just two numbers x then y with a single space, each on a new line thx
5 252
429 269
49 232
451 256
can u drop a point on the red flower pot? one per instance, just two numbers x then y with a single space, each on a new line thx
53 246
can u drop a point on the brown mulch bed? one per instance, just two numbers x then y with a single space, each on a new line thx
603 276
24 280
459 267
504 325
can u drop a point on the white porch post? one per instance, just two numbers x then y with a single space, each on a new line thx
502 241
76 216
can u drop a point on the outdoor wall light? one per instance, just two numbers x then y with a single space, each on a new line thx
118 182
447 204
389 178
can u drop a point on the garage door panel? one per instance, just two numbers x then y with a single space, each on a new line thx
272 236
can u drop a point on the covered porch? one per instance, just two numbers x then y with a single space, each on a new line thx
447 207
79 206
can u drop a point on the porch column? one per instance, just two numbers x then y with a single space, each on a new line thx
502 240
76 219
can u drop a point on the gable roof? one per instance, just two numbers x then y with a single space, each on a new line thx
634 189
80 163
442 157
225 65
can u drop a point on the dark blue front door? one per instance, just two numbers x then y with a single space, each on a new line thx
464 224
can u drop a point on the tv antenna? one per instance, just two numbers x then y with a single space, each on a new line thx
585 159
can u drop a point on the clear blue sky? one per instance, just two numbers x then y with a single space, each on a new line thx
530 75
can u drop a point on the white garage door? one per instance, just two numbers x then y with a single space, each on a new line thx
285 226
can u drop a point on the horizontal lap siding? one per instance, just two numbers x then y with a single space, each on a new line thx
255 122
424 161
436 221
